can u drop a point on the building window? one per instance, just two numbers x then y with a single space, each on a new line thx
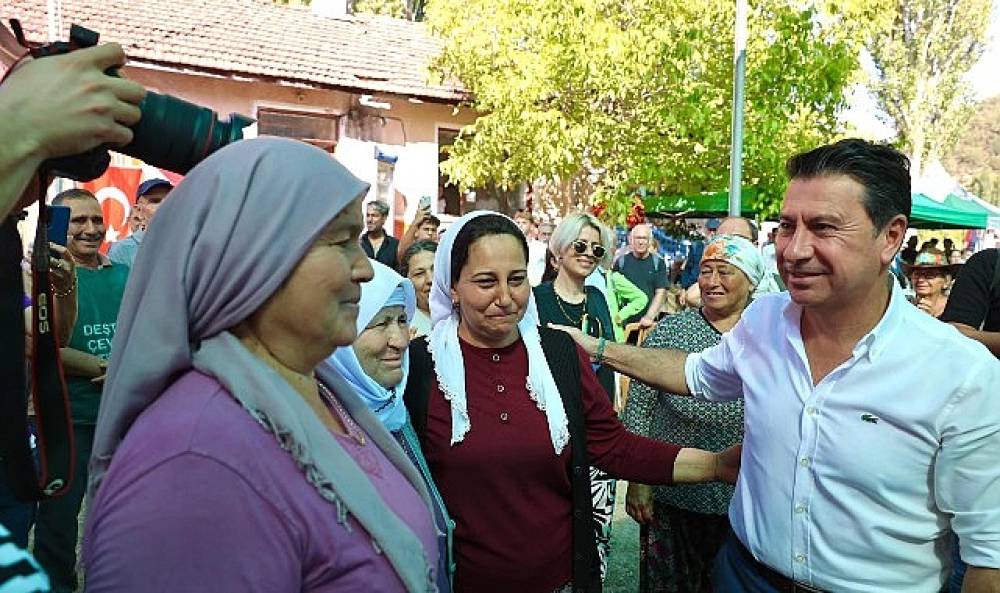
318 129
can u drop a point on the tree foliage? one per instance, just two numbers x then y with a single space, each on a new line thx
637 93
975 160
922 50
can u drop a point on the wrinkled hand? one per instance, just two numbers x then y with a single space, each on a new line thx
588 343
66 104
639 502
62 269
727 467
646 323
102 369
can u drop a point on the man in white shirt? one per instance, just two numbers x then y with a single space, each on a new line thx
871 429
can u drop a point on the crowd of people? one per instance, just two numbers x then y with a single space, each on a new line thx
270 392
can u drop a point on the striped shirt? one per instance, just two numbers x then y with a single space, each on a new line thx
19 573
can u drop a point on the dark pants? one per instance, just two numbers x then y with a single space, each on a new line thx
58 519
957 569
16 516
733 574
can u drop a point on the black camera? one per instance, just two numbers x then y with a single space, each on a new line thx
172 134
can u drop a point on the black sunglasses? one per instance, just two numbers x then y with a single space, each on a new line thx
580 246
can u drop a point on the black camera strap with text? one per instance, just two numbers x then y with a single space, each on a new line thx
48 388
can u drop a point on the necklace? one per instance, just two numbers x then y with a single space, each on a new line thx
583 322
353 430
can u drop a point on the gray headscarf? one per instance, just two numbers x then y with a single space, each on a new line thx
225 241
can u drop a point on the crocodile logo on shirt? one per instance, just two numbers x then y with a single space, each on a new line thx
871 418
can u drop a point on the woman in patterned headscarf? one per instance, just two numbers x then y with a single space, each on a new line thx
684 526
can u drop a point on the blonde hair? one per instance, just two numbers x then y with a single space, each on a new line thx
570 228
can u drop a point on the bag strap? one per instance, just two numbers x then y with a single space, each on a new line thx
561 353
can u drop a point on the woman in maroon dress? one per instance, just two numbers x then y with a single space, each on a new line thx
510 414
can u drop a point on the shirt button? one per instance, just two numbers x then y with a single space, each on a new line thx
500 388
811 410
804 462
800 509
504 417
496 358
800 558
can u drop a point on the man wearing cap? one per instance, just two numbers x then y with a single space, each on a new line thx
853 474
147 200
931 274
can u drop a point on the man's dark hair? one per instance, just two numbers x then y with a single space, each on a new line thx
380 206
882 170
477 228
72 194
404 264
432 220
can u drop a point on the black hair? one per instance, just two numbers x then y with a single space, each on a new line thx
75 193
477 228
551 271
432 220
413 249
882 170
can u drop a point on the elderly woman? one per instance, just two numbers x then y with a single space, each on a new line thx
417 265
510 415
376 365
226 458
579 244
683 527
931 274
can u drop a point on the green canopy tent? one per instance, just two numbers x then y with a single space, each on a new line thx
699 205
954 211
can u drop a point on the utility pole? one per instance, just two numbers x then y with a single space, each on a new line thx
739 78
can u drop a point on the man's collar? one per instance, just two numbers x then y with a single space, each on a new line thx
102 262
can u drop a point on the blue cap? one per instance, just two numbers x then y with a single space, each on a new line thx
146 186
713 223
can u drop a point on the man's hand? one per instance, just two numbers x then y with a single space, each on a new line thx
646 322
588 343
62 269
639 502
727 466
65 105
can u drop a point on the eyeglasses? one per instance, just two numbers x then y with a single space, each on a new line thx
580 246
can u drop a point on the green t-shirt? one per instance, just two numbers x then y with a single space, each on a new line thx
99 295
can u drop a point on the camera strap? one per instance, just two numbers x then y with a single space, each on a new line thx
48 388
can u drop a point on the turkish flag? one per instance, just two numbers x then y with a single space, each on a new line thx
115 190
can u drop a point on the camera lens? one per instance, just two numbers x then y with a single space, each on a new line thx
176 135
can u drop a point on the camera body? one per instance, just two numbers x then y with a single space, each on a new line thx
172 134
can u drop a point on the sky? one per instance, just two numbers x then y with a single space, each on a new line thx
984 77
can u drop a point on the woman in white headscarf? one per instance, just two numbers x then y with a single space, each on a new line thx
683 527
510 415
227 458
376 365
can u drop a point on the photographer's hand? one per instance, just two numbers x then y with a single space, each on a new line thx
58 106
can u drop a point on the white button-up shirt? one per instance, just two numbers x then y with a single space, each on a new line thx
852 484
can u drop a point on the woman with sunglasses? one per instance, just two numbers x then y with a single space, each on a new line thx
579 244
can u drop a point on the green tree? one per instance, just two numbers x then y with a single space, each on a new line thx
637 93
975 159
922 50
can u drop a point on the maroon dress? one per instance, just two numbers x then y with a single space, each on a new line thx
503 484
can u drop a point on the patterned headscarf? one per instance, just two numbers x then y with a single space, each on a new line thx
739 252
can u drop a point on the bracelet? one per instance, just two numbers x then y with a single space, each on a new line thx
65 293
599 355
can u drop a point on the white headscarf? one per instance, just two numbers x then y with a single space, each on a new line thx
387 404
449 365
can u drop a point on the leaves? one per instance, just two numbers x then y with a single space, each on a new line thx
637 93
922 50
